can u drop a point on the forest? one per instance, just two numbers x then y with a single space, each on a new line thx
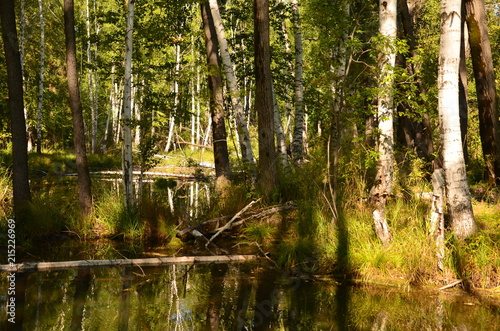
355 139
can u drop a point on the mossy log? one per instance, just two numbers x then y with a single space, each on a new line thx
146 262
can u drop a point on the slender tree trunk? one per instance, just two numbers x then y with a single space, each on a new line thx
127 162
84 192
457 189
20 180
171 127
268 179
41 80
221 154
482 63
384 180
463 92
280 135
239 115
298 141
91 89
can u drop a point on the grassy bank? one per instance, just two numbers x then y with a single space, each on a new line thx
326 234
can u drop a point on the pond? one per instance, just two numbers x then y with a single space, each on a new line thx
229 297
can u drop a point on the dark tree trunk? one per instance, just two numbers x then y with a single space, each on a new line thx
84 193
20 179
268 176
484 76
463 92
221 154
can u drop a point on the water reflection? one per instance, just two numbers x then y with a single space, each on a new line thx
229 297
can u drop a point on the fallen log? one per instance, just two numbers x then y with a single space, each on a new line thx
157 261
246 216
228 224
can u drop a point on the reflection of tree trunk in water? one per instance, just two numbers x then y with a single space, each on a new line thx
264 297
38 301
303 303
244 291
82 284
125 298
215 297
20 280
342 297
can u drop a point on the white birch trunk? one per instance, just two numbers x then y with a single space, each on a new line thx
457 189
90 75
171 127
239 116
384 181
41 80
298 135
128 188
280 135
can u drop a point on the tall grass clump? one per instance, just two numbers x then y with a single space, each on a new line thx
113 219
5 194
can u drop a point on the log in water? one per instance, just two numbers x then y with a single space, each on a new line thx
158 261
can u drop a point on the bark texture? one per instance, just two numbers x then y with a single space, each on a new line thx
127 161
221 154
484 75
457 189
239 115
84 192
268 176
384 181
20 179
298 134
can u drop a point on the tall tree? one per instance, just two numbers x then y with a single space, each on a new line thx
268 176
20 179
221 154
75 103
384 180
457 189
127 164
298 134
41 80
484 75
239 115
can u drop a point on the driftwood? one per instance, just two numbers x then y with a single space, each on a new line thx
244 217
228 224
158 261
261 213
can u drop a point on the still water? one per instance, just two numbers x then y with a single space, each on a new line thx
230 297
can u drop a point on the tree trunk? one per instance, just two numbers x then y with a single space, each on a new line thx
41 80
221 154
484 75
84 192
239 115
463 94
384 181
268 179
20 180
280 135
298 141
457 189
127 162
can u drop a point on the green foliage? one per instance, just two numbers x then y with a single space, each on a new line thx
114 220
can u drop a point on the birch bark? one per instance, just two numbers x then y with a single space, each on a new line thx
239 116
457 189
384 181
127 162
